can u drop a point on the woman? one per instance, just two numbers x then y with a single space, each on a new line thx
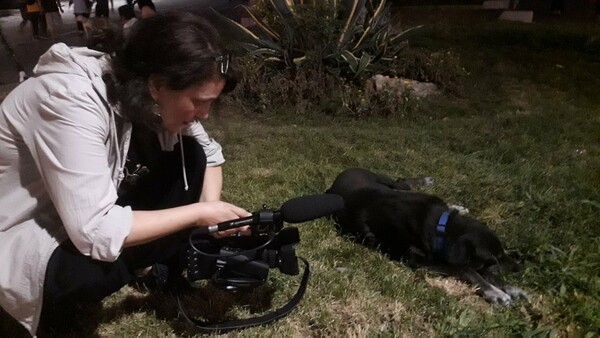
85 203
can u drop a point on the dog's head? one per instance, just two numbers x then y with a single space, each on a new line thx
479 248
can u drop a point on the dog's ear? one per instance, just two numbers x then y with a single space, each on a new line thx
469 251
460 251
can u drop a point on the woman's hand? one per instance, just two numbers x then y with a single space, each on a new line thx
219 211
149 225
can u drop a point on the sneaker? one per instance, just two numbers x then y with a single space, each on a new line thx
161 278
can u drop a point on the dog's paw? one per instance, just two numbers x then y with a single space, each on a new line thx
427 181
461 210
496 296
515 292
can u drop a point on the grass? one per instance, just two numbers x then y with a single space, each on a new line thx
520 147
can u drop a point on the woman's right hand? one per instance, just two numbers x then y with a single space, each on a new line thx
149 225
211 213
219 211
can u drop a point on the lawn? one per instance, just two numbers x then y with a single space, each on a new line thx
518 144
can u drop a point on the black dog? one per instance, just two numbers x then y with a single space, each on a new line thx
422 230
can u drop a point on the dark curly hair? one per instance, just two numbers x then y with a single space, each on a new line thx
177 48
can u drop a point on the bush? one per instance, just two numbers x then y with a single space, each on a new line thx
261 89
315 56
307 91
441 67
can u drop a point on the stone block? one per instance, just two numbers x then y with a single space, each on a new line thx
521 16
401 85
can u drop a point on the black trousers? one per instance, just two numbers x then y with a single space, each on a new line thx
38 23
102 8
73 279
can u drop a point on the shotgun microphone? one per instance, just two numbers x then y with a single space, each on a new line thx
296 210
309 207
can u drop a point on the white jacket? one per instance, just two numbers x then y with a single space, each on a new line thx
59 172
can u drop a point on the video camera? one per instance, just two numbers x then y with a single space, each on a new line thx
243 262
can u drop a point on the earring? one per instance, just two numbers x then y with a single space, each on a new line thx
156 117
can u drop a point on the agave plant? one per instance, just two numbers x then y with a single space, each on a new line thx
366 43
363 43
273 46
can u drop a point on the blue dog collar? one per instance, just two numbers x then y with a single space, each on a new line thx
440 233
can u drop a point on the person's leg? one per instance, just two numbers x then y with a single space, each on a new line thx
73 279
102 8
79 21
34 18
24 15
80 18
43 25
53 23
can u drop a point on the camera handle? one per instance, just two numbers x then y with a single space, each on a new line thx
261 222
222 327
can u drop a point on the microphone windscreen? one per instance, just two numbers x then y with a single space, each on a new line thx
306 208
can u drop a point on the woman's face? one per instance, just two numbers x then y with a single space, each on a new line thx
179 108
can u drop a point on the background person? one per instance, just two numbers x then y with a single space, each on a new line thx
101 13
36 17
51 10
128 18
147 8
104 170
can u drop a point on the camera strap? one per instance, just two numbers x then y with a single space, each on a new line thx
222 327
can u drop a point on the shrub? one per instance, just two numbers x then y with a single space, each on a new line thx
308 90
349 38
441 67
310 55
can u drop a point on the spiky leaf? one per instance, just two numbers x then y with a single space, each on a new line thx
352 13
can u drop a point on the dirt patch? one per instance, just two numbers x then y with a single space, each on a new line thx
460 290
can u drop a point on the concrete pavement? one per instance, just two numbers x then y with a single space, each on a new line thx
20 52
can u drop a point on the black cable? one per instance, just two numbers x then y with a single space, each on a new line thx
222 327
